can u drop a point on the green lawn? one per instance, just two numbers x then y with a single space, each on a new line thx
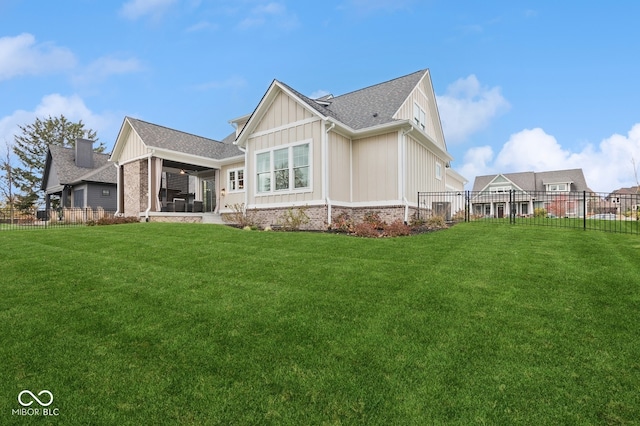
201 324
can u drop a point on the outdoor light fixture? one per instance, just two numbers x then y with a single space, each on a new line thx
182 171
223 192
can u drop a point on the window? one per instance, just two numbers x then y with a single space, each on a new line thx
557 187
438 171
106 192
288 167
236 180
263 168
301 166
500 189
419 116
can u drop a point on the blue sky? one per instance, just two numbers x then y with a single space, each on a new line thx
521 85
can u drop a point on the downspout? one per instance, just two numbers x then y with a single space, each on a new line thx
325 148
146 213
118 189
404 174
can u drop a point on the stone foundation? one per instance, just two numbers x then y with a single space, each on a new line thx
275 217
175 219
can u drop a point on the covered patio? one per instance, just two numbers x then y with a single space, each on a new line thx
168 175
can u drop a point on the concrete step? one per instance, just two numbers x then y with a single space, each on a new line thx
212 218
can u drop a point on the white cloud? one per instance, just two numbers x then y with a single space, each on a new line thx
106 66
319 94
54 105
274 14
468 107
135 9
606 167
21 55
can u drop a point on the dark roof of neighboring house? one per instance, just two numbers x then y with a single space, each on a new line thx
162 137
68 173
536 181
368 107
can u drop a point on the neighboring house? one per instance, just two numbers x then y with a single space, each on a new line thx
79 177
625 201
559 192
368 150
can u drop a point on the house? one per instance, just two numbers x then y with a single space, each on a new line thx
559 193
625 201
79 177
372 149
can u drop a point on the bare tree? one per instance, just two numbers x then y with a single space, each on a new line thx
6 179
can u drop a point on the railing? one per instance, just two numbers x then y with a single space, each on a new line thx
11 218
585 210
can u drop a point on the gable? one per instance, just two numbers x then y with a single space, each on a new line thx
421 102
283 110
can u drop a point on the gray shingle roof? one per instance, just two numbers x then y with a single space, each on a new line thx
536 181
68 173
368 107
162 137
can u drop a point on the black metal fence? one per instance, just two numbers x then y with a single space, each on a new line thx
586 210
11 218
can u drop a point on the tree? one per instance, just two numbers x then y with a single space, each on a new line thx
31 149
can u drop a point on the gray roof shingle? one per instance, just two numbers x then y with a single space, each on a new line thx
162 137
536 181
68 173
367 107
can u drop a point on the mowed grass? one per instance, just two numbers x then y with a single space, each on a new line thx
201 324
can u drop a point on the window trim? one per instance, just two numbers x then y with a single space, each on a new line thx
229 181
438 170
291 189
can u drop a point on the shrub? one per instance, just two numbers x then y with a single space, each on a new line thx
539 212
365 229
292 219
240 217
342 223
114 220
436 222
397 228
374 219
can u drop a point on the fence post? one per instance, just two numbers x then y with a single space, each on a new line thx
584 210
467 207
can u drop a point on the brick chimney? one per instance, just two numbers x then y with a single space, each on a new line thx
84 153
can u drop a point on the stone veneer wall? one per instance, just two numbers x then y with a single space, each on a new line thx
176 219
318 215
135 187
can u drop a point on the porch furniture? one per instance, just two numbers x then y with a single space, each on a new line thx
180 204
197 206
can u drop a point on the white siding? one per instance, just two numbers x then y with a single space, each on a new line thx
375 168
339 167
421 170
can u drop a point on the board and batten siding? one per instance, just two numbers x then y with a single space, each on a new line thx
339 154
421 170
232 197
133 148
283 111
286 123
420 96
375 168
